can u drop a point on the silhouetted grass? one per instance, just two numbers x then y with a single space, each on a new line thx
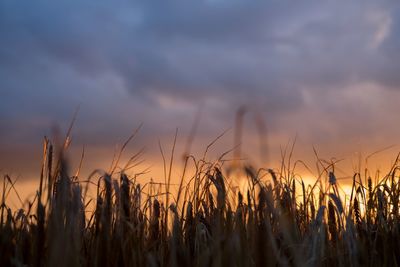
277 221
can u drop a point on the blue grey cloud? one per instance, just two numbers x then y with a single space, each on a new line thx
126 62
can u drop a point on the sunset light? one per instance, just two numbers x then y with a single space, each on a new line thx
199 133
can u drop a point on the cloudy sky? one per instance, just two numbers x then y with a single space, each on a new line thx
324 71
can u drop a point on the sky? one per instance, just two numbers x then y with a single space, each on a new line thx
322 72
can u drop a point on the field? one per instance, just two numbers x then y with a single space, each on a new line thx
277 221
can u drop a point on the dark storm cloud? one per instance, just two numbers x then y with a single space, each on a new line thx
158 61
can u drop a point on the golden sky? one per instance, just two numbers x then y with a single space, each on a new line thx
323 73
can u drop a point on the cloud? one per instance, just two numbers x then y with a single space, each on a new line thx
159 62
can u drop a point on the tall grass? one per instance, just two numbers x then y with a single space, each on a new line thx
278 220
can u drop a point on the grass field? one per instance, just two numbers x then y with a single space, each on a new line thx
277 221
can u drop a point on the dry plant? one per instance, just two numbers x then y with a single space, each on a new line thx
277 221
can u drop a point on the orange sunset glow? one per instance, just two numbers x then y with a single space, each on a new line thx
167 97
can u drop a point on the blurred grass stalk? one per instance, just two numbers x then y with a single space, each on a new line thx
276 220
